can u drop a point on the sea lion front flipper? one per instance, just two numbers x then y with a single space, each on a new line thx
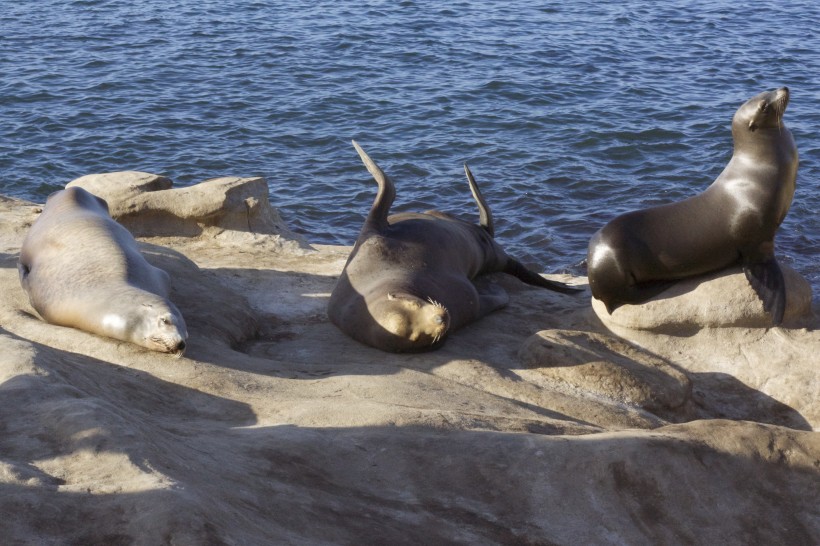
767 280
491 296
384 198
485 217
517 269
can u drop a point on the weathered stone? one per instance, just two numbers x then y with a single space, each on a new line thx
720 299
148 207
304 436
606 366
120 186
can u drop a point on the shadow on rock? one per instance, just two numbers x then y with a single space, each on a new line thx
608 366
86 449
9 260
742 483
723 396
212 311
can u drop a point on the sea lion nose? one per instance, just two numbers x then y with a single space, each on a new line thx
181 346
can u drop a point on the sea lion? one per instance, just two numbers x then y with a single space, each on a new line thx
409 280
80 268
639 254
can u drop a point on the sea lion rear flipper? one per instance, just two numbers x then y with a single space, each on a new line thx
485 217
384 198
517 269
767 280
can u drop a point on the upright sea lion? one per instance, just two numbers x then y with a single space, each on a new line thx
639 254
408 281
80 268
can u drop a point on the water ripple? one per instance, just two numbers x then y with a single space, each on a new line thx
567 114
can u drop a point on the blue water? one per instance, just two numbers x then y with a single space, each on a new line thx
567 112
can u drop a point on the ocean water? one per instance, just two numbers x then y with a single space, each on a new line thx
568 113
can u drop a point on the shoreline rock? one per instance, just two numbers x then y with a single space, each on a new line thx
723 299
226 207
536 424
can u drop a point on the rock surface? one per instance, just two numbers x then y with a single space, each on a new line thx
146 204
536 425
601 364
119 187
716 300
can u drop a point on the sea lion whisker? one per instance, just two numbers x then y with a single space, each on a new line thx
434 302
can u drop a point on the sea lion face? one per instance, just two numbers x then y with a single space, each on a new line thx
410 323
763 111
160 327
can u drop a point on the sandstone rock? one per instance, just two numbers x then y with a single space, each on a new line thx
606 366
118 187
720 299
148 207
313 438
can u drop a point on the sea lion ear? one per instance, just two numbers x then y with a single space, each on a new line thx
393 296
752 126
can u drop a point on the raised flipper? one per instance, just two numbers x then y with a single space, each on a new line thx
377 217
767 280
485 216
517 269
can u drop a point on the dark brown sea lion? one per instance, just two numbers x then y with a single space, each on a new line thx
409 280
82 269
639 254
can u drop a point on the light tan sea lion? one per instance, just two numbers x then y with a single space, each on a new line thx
409 280
639 254
82 269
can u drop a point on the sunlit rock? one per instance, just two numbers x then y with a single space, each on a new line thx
720 299
148 206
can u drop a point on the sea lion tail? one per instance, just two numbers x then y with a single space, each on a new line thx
767 280
386 194
484 214
517 269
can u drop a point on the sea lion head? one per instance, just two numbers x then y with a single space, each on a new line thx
169 332
763 111
152 322
409 323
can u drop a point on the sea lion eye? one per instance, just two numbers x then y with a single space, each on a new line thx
165 321
763 106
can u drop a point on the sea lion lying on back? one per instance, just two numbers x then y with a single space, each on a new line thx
80 268
408 281
639 254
